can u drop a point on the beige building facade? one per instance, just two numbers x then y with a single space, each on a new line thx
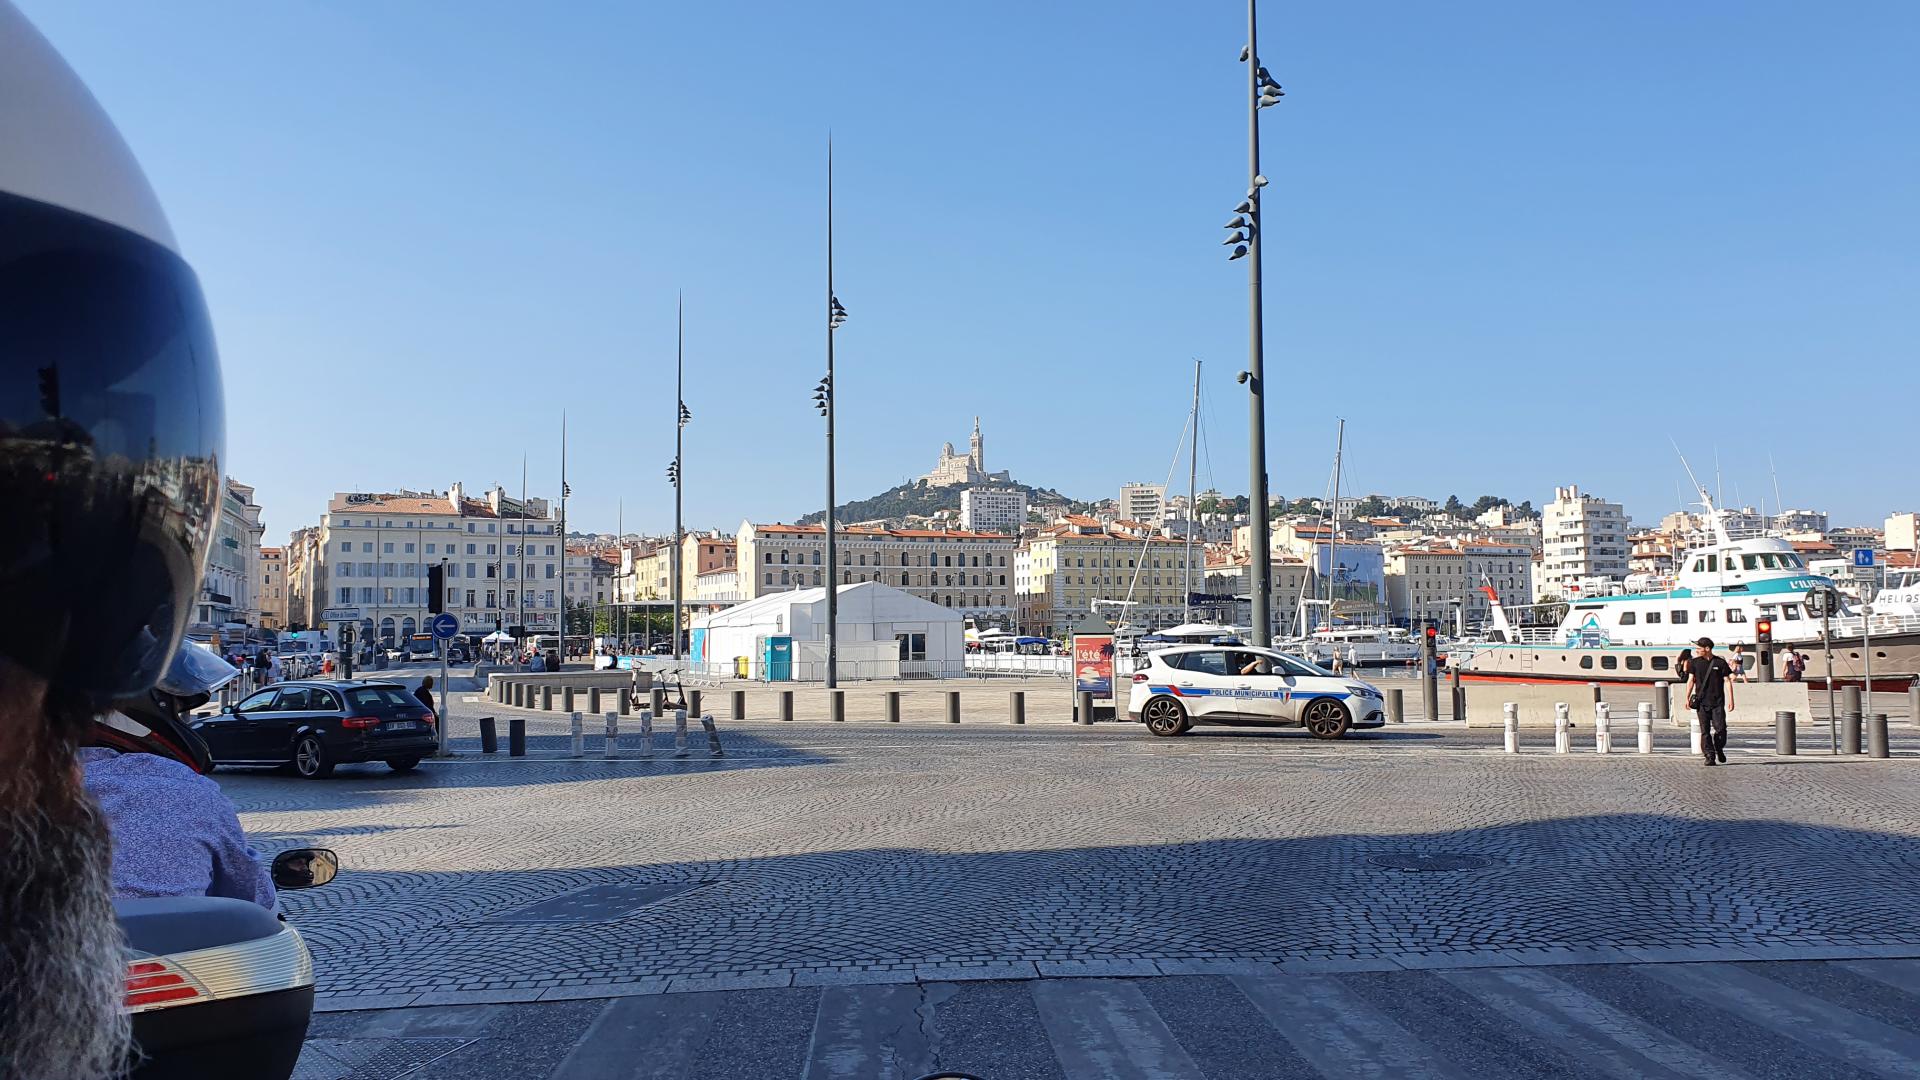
971 572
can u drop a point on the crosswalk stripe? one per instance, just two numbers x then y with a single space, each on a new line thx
643 1038
1819 1025
1339 1032
1105 1029
1604 1039
872 1031
1902 975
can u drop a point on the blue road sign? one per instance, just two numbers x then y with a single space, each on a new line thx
1863 557
444 625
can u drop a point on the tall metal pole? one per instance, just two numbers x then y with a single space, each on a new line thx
679 480
833 566
620 545
1333 521
563 540
521 610
1261 556
1193 478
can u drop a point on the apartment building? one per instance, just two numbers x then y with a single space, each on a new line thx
1581 536
956 568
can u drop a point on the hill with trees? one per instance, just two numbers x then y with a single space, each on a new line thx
920 499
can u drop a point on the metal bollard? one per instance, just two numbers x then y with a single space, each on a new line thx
739 705
1602 728
1645 712
579 731
566 699
953 706
1459 696
546 699
1877 735
1785 738
593 699
1086 708
1662 700
680 733
612 747
625 694
1512 711
489 736
1560 720
1849 700
693 703
893 706
1397 705
519 692
1694 742
1850 733
516 736
786 704
657 700
1597 698
837 706
1913 703
646 733
1016 706
714 749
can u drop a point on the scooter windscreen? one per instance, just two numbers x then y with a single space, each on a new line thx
196 670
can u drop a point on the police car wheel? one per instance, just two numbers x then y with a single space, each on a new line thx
1326 719
1164 717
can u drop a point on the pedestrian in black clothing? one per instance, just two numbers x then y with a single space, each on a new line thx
425 693
1710 695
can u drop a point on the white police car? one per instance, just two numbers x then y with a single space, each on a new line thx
1244 684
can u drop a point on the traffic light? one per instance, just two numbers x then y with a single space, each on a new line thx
436 589
1763 631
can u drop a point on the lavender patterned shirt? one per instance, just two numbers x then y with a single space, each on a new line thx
174 832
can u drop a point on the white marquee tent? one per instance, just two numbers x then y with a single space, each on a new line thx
885 633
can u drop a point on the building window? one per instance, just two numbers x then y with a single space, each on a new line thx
346 545
408 551
346 595
912 646
469 596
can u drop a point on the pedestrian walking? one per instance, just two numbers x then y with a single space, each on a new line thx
425 692
1738 662
1710 695
1680 665
1796 665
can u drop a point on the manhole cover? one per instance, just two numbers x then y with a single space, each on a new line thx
596 903
1428 863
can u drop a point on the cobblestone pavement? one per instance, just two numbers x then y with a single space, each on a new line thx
1816 1020
821 854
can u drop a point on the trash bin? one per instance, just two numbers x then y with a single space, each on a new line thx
742 667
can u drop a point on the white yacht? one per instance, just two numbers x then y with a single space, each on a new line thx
1361 646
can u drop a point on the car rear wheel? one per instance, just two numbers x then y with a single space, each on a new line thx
402 764
1326 719
1164 717
310 758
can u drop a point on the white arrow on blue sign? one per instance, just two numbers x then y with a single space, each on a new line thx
1863 557
445 625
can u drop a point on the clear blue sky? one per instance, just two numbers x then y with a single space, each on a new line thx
1515 244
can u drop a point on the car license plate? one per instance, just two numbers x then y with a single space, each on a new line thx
404 725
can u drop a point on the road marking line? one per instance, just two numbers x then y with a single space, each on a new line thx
1339 1032
1107 1029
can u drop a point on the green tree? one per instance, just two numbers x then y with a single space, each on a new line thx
1454 506
1370 507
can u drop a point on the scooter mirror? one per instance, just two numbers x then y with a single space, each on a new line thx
304 868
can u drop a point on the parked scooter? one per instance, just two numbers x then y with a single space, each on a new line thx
221 989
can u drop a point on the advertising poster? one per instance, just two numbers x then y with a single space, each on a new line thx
1093 664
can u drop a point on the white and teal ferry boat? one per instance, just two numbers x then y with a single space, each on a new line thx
1723 588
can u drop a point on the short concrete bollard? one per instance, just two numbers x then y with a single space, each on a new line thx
1850 733
1512 720
1877 735
1085 714
1397 706
519 693
1913 703
713 737
893 706
786 704
1694 742
657 700
593 699
953 706
837 706
489 737
1597 696
546 699
579 731
1785 738
1016 706
1602 728
516 736
1662 701
646 733
1561 745
625 695
679 733
1646 727
1849 700
693 703
612 747
739 705
567 699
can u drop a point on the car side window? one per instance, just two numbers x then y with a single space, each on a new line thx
260 702
298 698
1207 663
1293 667
322 700
1246 664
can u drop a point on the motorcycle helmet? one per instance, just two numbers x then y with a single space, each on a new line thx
156 722
112 427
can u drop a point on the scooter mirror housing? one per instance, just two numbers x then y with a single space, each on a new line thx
304 868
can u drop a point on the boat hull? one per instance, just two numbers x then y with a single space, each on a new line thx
1896 663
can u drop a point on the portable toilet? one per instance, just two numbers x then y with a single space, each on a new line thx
778 659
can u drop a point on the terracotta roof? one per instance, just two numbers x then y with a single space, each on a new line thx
1903 559
868 530
391 504
272 551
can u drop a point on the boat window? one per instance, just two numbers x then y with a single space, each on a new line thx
1792 562
1699 566
1653 617
1791 612
1736 615
1679 618
1747 562
1659 663
1706 616
1713 563
1634 663
1610 662
1586 661
1629 618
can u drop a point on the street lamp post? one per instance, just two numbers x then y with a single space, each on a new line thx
681 416
823 400
1263 92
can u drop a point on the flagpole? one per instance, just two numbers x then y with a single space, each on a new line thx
521 608
679 440
563 540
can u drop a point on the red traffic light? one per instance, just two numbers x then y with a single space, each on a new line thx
1433 631
1763 630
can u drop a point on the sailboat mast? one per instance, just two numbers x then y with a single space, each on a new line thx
1193 479
1333 539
